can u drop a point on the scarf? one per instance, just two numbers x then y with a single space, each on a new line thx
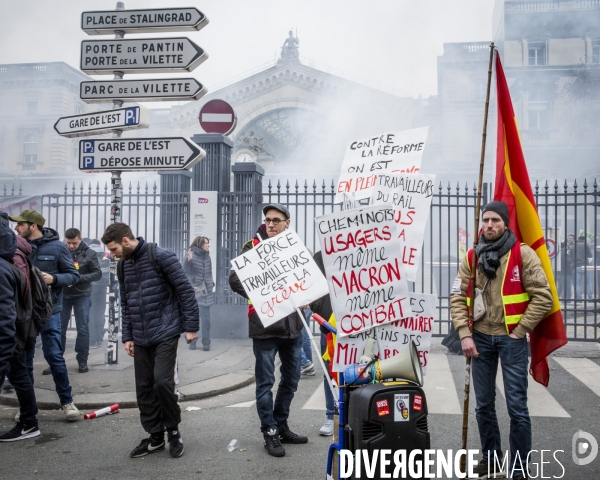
489 253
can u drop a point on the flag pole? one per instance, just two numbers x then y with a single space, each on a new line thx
471 293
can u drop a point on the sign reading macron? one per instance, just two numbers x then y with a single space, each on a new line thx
150 55
167 153
279 275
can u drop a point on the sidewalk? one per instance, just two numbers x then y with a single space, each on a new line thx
228 365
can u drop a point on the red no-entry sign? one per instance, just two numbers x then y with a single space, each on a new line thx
217 116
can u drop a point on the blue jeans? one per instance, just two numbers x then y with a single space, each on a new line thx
306 344
329 401
19 378
289 353
582 275
81 308
513 356
52 348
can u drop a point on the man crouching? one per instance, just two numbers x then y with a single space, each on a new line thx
158 304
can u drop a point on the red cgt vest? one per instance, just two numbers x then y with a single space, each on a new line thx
514 296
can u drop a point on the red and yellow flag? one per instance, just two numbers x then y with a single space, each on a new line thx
513 187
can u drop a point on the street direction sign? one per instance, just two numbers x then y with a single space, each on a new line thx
103 122
217 116
138 154
140 21
150 55
164 89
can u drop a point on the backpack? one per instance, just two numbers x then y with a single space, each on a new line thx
23 306
155 266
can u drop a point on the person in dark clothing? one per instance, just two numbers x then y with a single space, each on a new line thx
157 307
199 269
283 338
566 277
99 291
583 253
54 260
77 297
11 338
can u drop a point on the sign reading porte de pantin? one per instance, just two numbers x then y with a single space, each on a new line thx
167 153
279 275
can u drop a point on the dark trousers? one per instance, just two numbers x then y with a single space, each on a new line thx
205 320
81 307
19 378
155 385
277 413
97 318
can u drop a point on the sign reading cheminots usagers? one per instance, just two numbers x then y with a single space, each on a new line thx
151 55
140 21
132 154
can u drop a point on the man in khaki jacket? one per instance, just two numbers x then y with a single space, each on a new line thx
517 296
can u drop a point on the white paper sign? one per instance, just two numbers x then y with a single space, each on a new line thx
410 196
388 153
279 275
361 256
393 337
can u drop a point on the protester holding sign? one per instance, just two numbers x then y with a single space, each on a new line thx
281 335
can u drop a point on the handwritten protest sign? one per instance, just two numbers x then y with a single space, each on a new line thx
388 153
393 337
279 275
410 196
361 256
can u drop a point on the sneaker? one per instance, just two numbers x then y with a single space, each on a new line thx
307 366
290 437
71 411
47 371
83 368
273 443
20 432
175 444
327 428
309 372
206 348
482 469
148 445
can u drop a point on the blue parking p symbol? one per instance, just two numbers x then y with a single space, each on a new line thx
131 116
88 162
88 146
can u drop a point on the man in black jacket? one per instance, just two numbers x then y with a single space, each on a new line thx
52 257
158 304
283 337
8 285
78 297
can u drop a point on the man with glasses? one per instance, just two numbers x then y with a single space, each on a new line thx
284 338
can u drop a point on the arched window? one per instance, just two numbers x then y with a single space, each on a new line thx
30 152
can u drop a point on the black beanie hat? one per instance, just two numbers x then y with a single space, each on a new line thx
497 207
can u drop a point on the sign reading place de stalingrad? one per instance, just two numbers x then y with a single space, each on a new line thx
138 154
140 21
178 54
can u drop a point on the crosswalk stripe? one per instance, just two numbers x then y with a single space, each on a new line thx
243 404
317 400
540 401
439 387
583 370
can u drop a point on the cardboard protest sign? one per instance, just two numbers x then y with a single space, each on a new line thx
393 337
410 196
279 275
388 153
361 256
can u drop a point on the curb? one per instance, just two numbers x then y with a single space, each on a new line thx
125 402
